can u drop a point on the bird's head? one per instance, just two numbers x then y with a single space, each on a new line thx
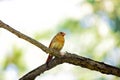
61 33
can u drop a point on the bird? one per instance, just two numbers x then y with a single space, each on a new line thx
56 43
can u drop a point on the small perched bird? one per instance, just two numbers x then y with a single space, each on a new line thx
57 43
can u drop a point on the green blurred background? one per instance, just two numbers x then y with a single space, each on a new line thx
93 33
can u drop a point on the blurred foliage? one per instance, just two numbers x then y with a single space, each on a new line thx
96 35
112 10
16 58
44 35
71 25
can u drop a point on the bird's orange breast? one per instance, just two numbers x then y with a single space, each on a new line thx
57 43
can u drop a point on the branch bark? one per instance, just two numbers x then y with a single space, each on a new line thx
66 58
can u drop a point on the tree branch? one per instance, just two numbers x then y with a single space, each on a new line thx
36 72
27 38
75 60
67 57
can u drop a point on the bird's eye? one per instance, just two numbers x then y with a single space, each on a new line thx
61 32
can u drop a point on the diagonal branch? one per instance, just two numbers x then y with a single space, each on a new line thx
67 57
27 38
75 60
36 72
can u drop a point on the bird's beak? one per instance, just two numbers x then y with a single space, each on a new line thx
64 34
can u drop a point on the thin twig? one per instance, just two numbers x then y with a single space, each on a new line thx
29 39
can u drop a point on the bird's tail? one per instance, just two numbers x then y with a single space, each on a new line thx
49 59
